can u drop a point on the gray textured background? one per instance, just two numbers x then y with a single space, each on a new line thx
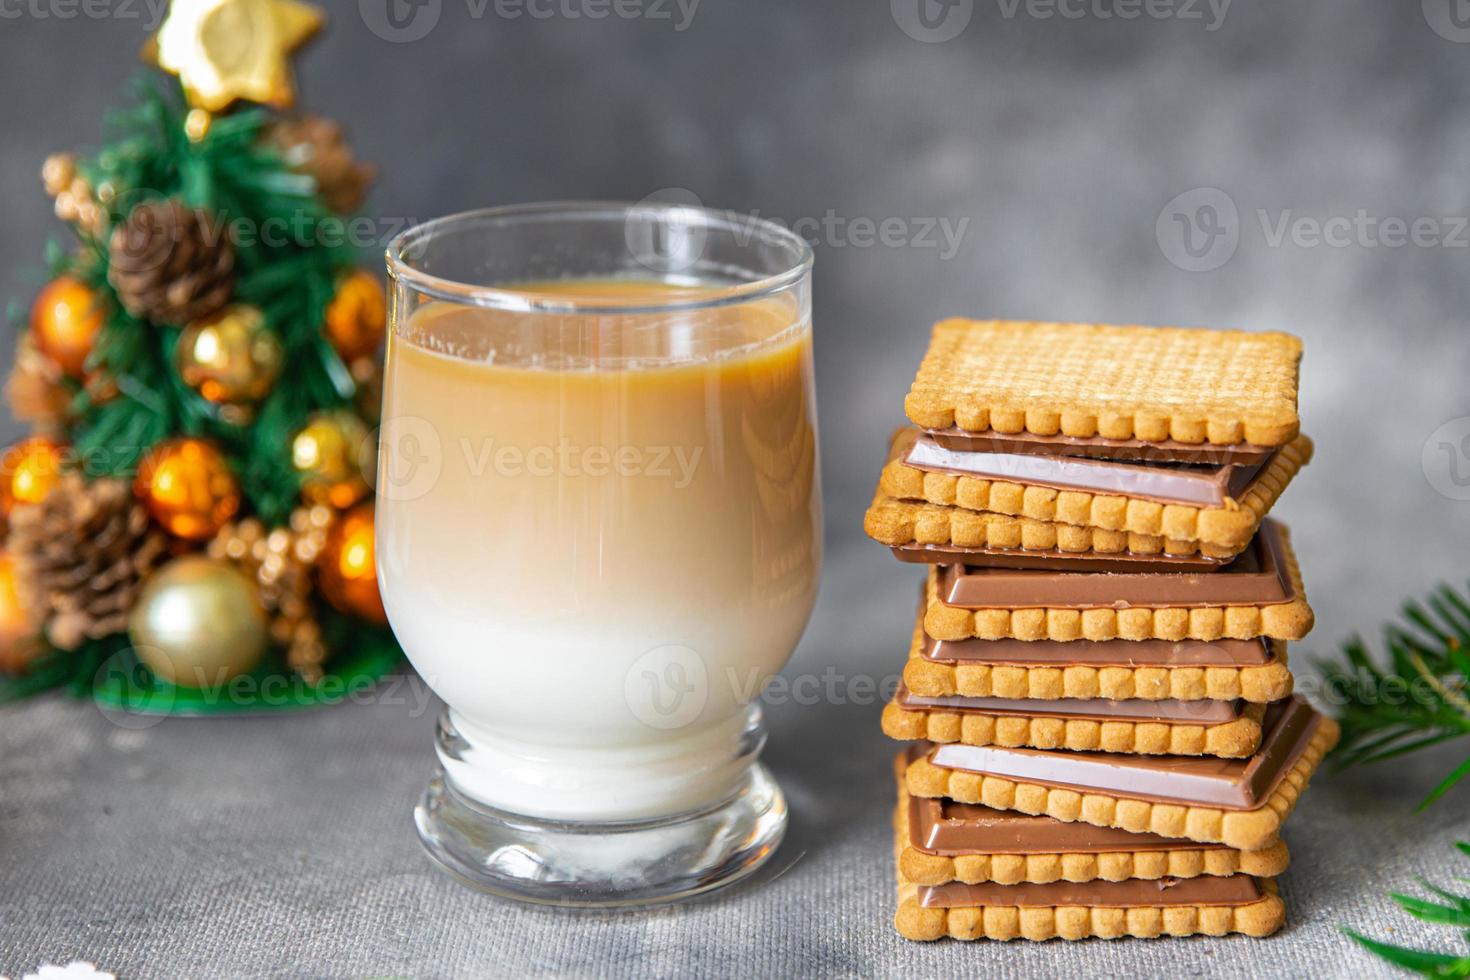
283 846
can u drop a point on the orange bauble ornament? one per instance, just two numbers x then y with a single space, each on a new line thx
20 639
346 570
188 488
65 321
357 316
28 471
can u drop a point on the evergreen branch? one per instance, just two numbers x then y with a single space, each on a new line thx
1454 777
1428 963
1436 912
1419 699
1453 911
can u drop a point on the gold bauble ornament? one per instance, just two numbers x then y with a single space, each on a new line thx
28 471
225 50
20 638
65 321
198 623
331 453
357 316
188 488
231 359
347 569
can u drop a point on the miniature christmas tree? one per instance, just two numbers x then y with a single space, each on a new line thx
189 527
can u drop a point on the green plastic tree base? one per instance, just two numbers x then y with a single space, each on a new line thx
125 684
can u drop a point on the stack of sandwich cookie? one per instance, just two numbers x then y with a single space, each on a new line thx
1097 692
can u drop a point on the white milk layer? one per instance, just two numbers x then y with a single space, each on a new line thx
598 723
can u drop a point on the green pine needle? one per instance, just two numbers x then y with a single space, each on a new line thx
1419 699
1422 908
1454 777
1420 961
1454 911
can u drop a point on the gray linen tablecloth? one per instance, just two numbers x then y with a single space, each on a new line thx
283 846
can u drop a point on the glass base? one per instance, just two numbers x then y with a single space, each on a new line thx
592 865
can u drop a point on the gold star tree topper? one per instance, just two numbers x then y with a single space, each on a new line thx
226 50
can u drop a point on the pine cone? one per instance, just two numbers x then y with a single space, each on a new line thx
34 388
171 264
315 146
82 555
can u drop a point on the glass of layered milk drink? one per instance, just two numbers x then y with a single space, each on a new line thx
599 531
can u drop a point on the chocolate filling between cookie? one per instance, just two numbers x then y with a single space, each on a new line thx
1193 484
1035 559
949 829
1102 653
1166 710
1096 447
1257 577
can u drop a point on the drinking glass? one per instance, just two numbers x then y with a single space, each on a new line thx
599 532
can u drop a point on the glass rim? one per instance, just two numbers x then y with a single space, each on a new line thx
401 270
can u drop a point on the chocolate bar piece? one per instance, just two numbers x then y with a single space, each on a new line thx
1096 447
1198 485
1055 559
1230 784
1165 710
1134 892
1103 653
1257 576
948 829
